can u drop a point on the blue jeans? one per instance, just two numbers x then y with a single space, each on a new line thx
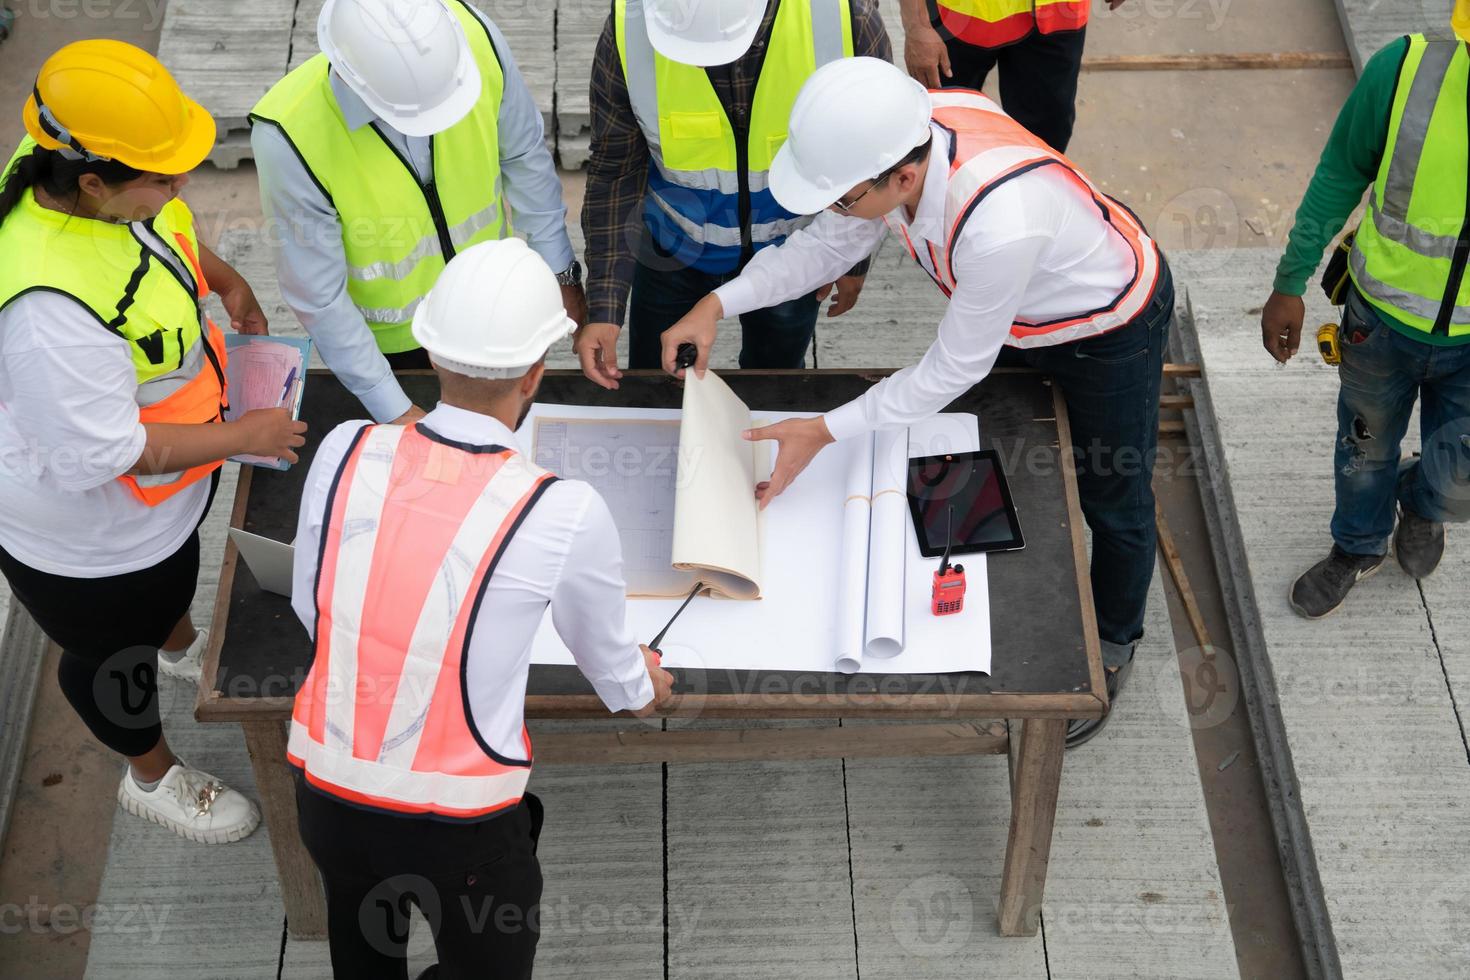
1111 386
1382 374
777 337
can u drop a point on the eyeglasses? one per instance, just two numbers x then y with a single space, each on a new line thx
846 208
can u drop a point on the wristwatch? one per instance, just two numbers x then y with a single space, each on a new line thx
571 275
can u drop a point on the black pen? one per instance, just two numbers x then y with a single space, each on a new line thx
659 639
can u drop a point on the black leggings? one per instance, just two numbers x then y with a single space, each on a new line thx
109 630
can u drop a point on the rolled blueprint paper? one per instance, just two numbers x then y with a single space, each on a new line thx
852 594
887 546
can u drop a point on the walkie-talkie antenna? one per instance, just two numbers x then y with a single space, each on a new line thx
948 542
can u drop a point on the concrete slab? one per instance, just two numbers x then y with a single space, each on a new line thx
1370 24
1378 750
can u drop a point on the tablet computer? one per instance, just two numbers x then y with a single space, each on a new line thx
963 498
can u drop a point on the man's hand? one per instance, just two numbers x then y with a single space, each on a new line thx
663 682
596 346
271 432
925 56
574 298
409 417
848 288
799 441
246 316
698 327
1281 325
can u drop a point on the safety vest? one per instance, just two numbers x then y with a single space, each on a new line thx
1409 256
709 201
135 293
993 23
988 148
397 233
415 527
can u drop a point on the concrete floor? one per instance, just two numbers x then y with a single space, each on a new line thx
1209 159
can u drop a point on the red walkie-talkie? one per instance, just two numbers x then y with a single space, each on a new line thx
948 595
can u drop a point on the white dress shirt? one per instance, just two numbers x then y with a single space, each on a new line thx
566 554
1035 249
69 427
312 266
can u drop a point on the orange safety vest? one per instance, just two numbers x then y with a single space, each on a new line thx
994 23
415 527
988 148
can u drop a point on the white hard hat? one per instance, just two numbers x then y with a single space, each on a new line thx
494 311
853 119
408 60
702 32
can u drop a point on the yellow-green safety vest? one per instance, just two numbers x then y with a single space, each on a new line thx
133 292
708 200
1410 254
397 234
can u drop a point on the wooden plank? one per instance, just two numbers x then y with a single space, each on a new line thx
301 888
1217 61
1368 710
769 744
1038 777
758 882
1175 564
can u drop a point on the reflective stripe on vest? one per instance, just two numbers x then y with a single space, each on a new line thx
147 298
993 23
397 234
692 205
1410 254
414 530
989 148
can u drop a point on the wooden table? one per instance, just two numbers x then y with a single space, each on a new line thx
1046 665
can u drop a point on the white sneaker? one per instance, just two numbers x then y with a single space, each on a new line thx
190 665
191 803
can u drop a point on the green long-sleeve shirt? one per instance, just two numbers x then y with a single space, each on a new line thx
1348 167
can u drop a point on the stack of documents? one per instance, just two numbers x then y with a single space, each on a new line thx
265 372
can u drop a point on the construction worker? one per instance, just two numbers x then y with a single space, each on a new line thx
414 789
689 105
1037 47
1405 332
112 388
1034 259
408 138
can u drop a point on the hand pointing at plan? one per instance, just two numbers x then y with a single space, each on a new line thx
798 442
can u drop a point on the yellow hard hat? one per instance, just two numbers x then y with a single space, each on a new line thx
1460 19
109 100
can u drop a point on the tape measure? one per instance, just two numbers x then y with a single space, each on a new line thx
1327 344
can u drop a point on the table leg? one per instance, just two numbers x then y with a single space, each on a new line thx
301 886
1036 777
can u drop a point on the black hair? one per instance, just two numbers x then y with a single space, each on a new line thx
918 154
57 176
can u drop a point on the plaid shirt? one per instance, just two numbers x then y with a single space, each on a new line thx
617 172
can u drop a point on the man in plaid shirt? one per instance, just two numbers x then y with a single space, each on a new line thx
690 102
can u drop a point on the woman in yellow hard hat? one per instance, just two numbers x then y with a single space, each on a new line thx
112 389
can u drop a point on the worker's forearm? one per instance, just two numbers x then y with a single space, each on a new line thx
173 448
220 275
914 14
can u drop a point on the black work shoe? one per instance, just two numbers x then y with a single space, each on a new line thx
1418 543
1321 588
1081 730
